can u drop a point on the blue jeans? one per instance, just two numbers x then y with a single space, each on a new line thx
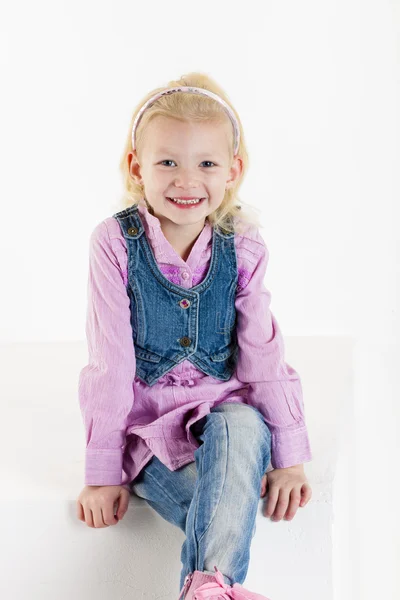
214 500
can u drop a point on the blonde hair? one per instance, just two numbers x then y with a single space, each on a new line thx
195 108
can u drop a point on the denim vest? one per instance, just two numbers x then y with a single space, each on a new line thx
170 323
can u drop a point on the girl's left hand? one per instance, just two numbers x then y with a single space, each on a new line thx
287 490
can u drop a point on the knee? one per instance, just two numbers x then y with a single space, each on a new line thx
246 419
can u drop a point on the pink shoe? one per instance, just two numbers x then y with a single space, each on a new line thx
215 588
192 582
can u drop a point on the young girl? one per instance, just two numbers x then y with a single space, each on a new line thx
187 397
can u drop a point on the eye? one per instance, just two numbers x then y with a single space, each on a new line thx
169 161
164 161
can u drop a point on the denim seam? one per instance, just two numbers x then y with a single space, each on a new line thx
223 485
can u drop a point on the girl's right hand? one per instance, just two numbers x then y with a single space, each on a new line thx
95 505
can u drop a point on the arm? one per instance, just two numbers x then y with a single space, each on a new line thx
106 382
274 386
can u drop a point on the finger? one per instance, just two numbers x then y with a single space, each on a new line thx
306 493
295 497
79 511
88 516
282 504
98 517
263 486
123 503
108 516
273 494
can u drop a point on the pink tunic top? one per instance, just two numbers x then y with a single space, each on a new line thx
126 421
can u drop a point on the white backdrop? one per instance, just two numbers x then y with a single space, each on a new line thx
316 84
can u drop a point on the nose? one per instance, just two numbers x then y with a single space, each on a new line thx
186 179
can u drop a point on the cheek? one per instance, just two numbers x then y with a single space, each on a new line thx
156 182
220 188
160 181
216 182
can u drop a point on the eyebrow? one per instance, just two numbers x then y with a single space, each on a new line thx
170 151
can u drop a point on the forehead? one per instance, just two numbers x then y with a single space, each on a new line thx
165 135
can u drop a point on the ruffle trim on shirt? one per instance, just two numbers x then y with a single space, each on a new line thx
188 378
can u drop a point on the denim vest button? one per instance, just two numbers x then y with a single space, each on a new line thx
185 341
185 275
132 230
184 303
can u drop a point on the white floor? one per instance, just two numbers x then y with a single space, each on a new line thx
47 553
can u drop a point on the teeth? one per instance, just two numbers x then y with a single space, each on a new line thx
186 201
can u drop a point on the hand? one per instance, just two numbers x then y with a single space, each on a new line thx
95 505
287 490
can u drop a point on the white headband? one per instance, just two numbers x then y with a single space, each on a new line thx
194 90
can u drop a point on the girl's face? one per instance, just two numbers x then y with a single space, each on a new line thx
180 159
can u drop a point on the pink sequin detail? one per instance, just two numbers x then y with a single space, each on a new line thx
172 273
244 277
200 273
166 269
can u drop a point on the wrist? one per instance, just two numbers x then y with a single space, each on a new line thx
295 468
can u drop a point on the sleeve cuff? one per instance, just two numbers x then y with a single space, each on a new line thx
289 448
103 466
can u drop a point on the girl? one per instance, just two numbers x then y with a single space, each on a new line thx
187 397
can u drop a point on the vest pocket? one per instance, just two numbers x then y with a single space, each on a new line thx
225 322
146 355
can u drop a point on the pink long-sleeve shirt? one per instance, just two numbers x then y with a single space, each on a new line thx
126 421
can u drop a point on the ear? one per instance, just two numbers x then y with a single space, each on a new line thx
134 167
235 171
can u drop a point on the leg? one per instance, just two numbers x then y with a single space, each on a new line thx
234 454
168 492
207 498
